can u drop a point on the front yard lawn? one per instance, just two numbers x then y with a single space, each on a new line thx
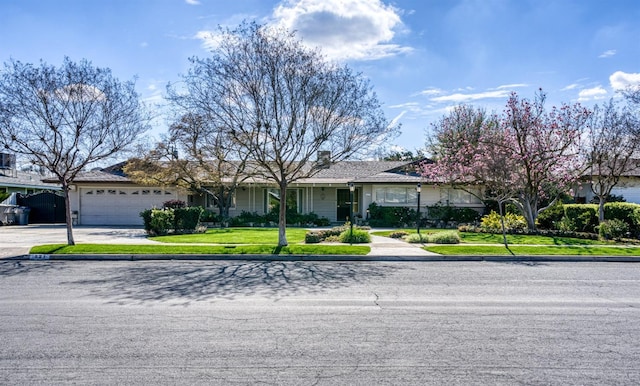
146 249
526 250
489 238
235 236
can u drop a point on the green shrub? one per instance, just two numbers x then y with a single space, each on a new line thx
162 220
359 236
187 219
450 237
448 213
579 218
146 219
391 216
415 238
398 234
512 222
209 216
549 218
613 229
313 237
624 211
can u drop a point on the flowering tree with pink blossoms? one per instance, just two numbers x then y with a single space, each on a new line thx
526 155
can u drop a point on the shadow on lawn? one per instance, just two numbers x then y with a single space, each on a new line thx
208 281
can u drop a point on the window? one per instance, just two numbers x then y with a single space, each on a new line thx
157 192
211 202
457 196
146 192
122 192
111 191
272 200
89 192
393 195
135 192
99 191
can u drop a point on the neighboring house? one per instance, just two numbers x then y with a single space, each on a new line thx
25 182
108 197
628 187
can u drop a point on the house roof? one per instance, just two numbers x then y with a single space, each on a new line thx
339 173
18 179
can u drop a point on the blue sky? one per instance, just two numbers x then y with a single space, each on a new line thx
422 56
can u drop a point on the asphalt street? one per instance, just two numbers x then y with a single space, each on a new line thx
319 323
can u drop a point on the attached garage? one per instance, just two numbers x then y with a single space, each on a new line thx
108 197
119 205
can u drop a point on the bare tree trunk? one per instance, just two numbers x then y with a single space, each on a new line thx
67 214
529 215
504 230
601 202
282 217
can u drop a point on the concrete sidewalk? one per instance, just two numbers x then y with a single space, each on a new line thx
17 240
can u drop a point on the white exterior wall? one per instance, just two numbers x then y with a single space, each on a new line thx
117 204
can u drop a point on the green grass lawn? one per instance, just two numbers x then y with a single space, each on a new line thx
525 250
235 236
488 238
238 241
146 249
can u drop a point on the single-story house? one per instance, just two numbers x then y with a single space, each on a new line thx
108 197
628 187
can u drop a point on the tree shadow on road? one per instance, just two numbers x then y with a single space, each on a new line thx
16 267
199 281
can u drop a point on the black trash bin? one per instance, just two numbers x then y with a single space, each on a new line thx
22 215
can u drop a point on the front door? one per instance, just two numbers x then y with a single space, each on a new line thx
344 204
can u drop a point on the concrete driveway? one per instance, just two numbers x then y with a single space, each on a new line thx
16 240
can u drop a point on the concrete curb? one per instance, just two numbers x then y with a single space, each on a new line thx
330 258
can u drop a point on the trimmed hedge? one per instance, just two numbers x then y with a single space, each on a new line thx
624 211
391 216
158 222
579 218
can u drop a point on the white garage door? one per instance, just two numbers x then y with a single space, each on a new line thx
119 206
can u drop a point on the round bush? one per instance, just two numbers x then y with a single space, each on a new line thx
359 236
444 238
613 229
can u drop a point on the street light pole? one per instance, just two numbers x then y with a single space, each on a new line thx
418 190
352 188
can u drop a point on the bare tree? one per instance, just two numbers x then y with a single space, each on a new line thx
282 103
196 156
612 144
64 119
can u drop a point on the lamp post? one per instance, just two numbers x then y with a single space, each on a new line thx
352 188
418 190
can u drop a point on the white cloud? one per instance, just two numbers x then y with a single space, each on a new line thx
396 119
572 86
344 29
607 54
459 98
431 91
192 2
621 80
592 93
512 86
210 40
